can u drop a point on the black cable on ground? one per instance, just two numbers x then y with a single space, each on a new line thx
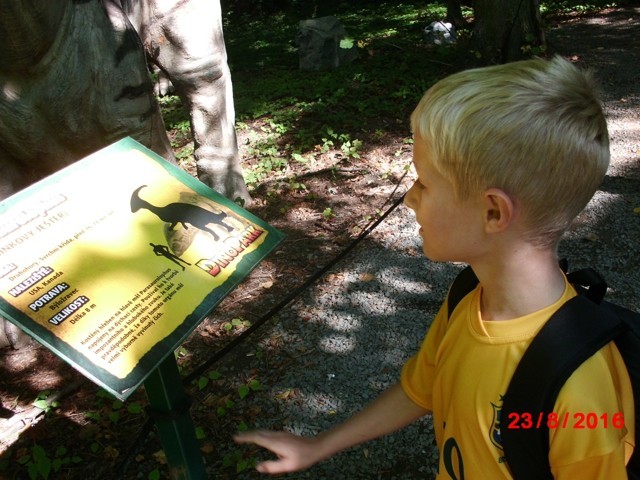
146 428
292 296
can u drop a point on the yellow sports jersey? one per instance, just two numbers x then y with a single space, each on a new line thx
464 367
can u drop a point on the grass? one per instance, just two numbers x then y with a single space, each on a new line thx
292 116
394 65
350 109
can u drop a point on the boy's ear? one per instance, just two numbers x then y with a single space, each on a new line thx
499 210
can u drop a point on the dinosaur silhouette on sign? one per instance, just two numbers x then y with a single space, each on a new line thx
182 213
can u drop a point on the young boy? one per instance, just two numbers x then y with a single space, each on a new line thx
506 157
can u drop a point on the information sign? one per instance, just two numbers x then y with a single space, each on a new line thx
112 262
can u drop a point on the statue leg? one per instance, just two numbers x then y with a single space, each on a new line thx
186 41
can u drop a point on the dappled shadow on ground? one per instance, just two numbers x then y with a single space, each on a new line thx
606 42
605 235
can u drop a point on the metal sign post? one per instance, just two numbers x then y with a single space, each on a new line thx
169 407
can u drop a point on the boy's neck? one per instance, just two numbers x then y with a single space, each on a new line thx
527 280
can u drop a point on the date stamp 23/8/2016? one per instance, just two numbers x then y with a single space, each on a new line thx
551 420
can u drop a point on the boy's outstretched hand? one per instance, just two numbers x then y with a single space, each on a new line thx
391 411
294 452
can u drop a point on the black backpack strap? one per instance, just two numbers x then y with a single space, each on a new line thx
587 281
463 284
590 283
574 333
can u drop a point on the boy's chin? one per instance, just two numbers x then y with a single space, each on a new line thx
429 254
434 256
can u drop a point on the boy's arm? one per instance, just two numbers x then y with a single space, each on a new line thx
389 412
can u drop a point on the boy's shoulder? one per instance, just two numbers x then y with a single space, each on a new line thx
590 323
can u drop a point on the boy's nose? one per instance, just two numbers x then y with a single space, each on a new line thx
410 199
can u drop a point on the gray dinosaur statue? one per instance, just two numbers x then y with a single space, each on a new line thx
185 41
74 78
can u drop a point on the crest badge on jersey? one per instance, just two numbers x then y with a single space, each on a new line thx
494 432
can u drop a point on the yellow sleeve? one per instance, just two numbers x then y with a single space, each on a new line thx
590 444
418 372
604 467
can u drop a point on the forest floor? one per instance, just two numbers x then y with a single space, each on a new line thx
86 434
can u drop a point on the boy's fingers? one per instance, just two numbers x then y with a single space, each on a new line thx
243 438
259 437
291 450
273 467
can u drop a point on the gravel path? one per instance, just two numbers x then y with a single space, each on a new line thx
345 341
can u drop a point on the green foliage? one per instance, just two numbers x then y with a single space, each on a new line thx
154 475
42 402
297 186
40 465
530 46
296 109
204 380
174 114
253 386
236 324
332 139
200 434
110 410
346 43
237 462
231 408
327 213
305 114
297 115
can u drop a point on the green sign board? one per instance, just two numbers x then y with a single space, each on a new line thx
112 262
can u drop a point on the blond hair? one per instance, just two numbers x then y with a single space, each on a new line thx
534 129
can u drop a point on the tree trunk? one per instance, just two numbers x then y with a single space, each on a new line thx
454 13
507 30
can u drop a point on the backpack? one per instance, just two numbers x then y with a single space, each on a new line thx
579 328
